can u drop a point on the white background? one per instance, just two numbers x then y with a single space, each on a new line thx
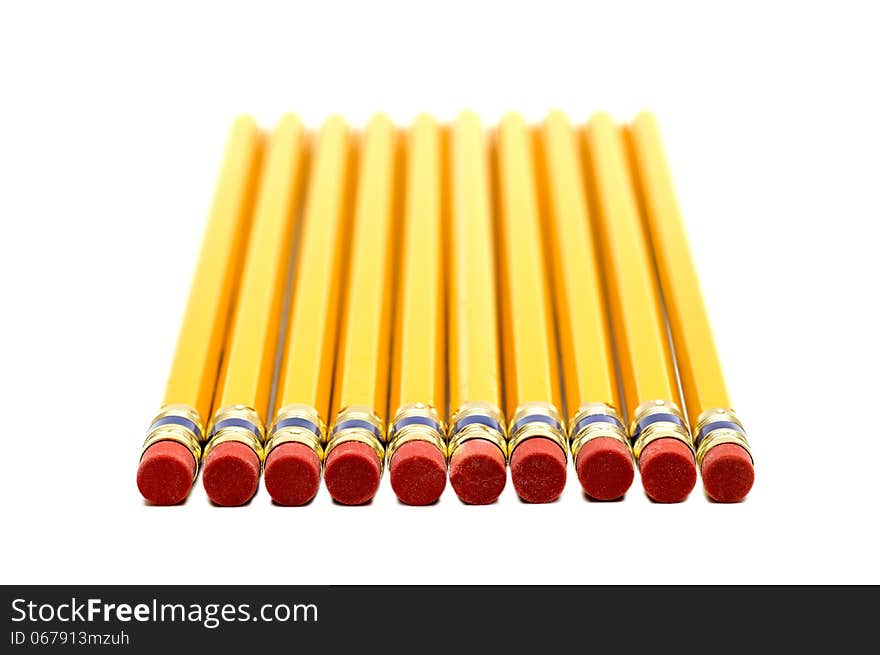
113 124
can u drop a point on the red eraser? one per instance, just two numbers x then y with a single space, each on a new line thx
477 472
165 474
537 468
728 473
418 473
352 473
292 474
231 474
668 470
605 468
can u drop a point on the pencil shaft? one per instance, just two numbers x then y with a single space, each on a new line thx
310 346
248 362
530 359
196 363
474 371
642 345
362 362
702 380
584 336
419 342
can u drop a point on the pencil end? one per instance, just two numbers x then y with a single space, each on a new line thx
668 470
418 473
605 468
231 474
478 472
165 473
728 473
352 473
292 474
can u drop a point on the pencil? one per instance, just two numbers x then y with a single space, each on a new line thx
723 452
355 453
597 438
477 437
661 442
416 434
234 452
173 447
536 437
295 447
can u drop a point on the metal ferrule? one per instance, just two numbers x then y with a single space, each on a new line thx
595 421
239 424
476 420
717 426
300 424
658 419
532 420
179 423
415 422
357 424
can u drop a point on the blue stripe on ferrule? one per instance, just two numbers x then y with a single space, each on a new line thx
177 420
477 419
298 422
235 422
536 418
358 423
416 420
654 418
717 425
595 418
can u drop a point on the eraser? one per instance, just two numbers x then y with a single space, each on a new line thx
165 473
668 470
292 474
537 468
418 473
605 468
728 473
478 472
231 474
352 472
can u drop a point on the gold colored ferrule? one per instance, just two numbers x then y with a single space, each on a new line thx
416 422
594 421
532 420
477 420
300 424
658 419
717 426
239 424
358 424
179 423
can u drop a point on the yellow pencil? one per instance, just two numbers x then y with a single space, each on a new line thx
234 451
660 438
477 443
355 452
173 447
416 445
597 437
536 435
295 447
723 451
